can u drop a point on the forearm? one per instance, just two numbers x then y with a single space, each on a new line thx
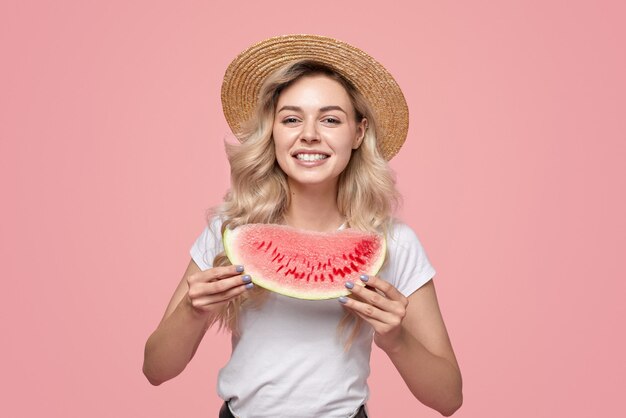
172 345
433 380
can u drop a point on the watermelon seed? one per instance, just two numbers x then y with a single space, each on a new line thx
355 268
279 268
275 257
260 246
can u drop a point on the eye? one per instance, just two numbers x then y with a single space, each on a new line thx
332 120
289 120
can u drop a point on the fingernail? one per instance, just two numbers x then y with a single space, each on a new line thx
246 278
249 286
343 299
364 278
239 269
349 285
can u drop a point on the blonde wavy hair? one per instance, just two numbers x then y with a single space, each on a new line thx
259 191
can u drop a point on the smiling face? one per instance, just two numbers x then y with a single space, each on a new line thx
315 130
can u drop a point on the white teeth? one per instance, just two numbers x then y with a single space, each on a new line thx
311 157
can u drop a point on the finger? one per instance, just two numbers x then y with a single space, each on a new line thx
375 297
216 273
386 288
368 311
218 286
372 297
376 324
203 302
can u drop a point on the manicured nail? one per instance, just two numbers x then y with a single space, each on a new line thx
246 278
239 269
349 285
364 278
249 285
343 299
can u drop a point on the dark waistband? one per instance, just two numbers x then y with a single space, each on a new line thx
225 412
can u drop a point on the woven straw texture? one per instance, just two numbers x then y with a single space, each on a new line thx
246 73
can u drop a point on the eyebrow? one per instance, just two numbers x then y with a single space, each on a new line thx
322 109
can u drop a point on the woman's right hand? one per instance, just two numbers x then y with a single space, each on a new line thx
200 294
211 289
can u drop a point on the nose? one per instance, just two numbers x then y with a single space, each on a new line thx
309 131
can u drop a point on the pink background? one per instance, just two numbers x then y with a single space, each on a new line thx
513 177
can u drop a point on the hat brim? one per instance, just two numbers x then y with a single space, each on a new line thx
246 73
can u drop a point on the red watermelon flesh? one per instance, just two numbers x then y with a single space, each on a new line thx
304 264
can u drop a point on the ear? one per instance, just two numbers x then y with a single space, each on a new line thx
360 133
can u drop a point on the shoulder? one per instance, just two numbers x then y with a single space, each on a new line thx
212 229
208 244
407 266
214 225
401 236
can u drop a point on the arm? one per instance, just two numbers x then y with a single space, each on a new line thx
412 333
196 300
424 355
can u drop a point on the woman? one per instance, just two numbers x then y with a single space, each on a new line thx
313 156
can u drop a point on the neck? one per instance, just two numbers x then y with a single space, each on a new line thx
314 208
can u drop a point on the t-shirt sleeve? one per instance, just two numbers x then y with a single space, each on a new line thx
207 245
409 266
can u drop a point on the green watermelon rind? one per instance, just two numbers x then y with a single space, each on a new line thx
230 235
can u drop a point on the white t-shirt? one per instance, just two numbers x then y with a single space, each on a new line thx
289 360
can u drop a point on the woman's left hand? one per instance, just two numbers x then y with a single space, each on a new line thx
381 305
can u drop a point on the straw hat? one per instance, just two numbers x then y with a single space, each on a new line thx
245 74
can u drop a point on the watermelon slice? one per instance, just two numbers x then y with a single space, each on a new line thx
304 264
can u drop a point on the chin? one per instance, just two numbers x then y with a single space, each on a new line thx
312 180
